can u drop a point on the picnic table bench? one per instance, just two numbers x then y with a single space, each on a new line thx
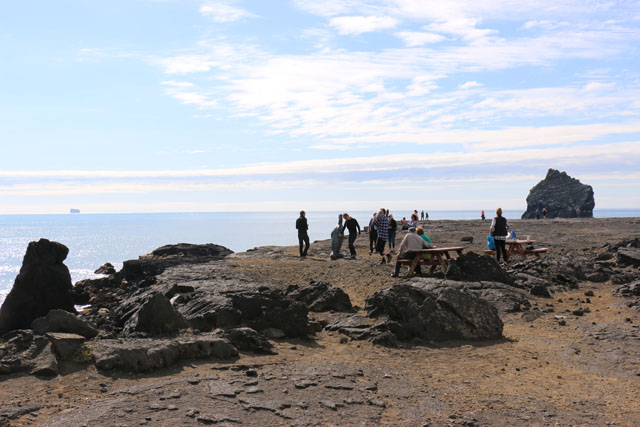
519 247
439 257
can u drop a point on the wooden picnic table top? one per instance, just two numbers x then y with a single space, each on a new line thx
519 241
440 250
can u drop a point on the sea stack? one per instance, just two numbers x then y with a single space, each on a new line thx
562 196
44 284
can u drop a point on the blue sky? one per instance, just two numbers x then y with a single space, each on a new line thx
188 105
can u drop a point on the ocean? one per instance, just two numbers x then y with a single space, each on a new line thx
94 239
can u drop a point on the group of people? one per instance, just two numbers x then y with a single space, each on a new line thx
382 232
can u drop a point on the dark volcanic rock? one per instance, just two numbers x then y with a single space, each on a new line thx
247 339
505 298
153 264
439 314
63 321
65 346
24 352
141 355
149 312
561 195
472 267
44 284
628 290
257 309
540 291
628 256
321 296
106 268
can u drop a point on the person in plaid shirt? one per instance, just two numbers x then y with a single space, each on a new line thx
382 224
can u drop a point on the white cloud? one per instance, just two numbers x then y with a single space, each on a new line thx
418 38
470 84
362 24
224 12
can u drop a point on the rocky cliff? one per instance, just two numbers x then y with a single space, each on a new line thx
562 196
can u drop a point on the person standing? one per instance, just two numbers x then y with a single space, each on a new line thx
393 227
303 237
544 213
373 233
421 215
382 225
352 225
336 239
482 215
499 227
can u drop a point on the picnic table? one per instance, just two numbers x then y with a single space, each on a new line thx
439 257
519 247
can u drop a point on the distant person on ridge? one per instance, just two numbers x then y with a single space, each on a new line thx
352 225
544 213
303 237
373 233
482 215
499 227
421 215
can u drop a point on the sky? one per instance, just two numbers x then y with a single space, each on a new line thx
281 105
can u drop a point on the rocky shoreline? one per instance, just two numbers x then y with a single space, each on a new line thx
194 334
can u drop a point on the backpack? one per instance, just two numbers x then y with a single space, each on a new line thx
491 243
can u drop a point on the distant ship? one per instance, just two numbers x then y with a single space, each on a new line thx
74 210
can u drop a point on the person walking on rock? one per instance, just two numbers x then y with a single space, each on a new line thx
352 225
499 227
303 237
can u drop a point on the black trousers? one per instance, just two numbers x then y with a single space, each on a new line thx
373 236
352 247
501 247
303 238
380 244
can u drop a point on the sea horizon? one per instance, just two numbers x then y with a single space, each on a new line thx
94 239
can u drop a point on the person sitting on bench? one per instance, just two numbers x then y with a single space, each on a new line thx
411 242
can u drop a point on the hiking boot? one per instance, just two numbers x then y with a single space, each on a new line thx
383 261
389 258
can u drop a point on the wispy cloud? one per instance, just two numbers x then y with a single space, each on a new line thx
224 11
362 24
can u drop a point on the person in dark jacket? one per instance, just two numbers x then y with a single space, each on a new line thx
499 227
352 225
303 237
373 233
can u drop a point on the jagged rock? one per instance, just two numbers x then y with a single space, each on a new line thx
598 277
628 256
141 354
16 411
561 195
540 291
321 296
248 339
472 267
106 268
63 321
65 346
505 298
24 352
44 284
628 290
438 314
150 265
257 309
149 312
